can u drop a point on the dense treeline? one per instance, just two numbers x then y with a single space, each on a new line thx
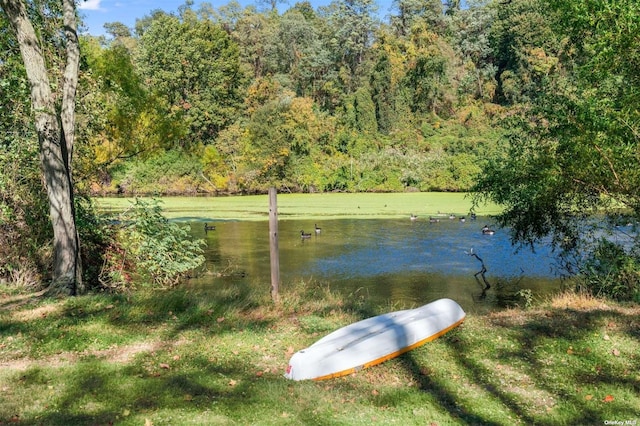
532 104
234 100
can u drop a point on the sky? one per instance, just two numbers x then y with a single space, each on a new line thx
95 13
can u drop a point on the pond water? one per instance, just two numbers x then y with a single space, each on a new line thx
395 261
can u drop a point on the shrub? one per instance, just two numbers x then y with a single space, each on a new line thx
168 172
612 272
25 230
25 226
94 235
162 252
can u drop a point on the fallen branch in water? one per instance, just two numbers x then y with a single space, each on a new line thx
481 272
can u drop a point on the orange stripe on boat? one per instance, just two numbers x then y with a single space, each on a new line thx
389 356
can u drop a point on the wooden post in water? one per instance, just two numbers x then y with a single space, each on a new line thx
273 244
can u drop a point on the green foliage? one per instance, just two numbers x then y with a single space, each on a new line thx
193 65
296 52
351 23
527 296
215 169
610 271
331 91
426 80
25 240
572 150
339 101
14 90
98 240
171 171
161 251
479 68
525 46
342 102
25 251
413 12
360 112
382 93
118 117
281 140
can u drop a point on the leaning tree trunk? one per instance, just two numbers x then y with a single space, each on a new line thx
56 136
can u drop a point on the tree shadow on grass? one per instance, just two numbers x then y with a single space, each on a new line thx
96 395
99 391
551 358
93 397
447 399
211 383
98 387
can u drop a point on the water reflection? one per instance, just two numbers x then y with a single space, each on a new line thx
401 262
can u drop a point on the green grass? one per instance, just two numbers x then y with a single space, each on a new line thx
176 357
311 206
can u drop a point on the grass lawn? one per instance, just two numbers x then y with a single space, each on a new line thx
183 358
311 206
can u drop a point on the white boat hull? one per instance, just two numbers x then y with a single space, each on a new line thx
374 340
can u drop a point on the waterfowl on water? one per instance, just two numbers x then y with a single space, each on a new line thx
487 231
304 235
434 219
208 227
318 230
413 216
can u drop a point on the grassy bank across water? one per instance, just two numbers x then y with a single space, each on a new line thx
183 358
311 206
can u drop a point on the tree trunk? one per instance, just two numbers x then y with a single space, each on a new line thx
55 136
68 120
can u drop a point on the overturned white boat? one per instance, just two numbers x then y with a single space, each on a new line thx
374 340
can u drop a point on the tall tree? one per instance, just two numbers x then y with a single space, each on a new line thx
382 92
298 54
352 23
524 46
54 115
474 53
429 75
251 32
194 65
410 12
117 30
573 150
127 119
